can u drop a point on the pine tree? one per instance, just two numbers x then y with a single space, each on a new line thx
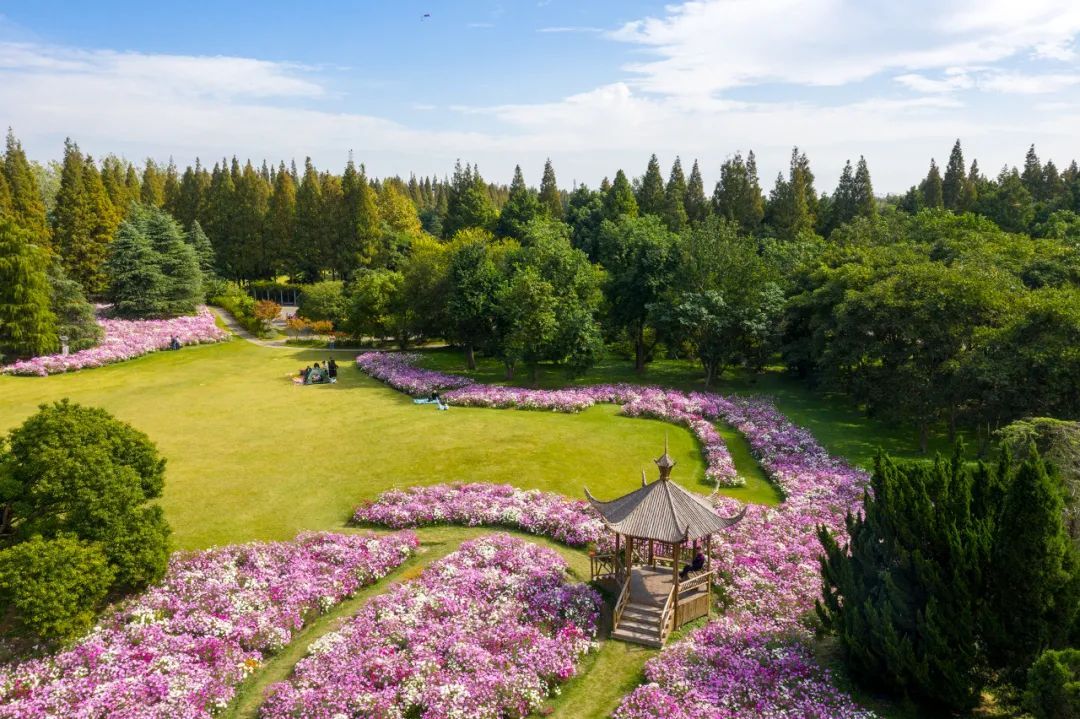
333 222
737 196
250 258
132 185
191 200
27 324
5 195
27 206
1035 584
171 189
793 202
842 208
71 219
204 251
650 195
113 173
619 198
952 186
520 210
136 284
1032 176
179 265
696 205
931 188
970 196
675 199
550 200
218 215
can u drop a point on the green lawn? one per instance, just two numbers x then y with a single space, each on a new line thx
835 421
251 456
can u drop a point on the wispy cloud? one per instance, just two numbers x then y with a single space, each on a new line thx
480 24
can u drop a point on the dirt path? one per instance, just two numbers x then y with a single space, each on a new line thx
229 321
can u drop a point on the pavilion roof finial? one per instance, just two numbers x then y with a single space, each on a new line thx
644 480
664 461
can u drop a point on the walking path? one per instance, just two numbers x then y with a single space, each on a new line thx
229 321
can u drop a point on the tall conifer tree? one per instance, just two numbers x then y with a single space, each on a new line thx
27 205
650 195
675 199
280 226
27 324
931 188
952 186
619 198
696 205
152 191
521 208
550 200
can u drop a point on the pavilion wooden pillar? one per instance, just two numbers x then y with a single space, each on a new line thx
652 562
615 556
675 578
708 568
629 555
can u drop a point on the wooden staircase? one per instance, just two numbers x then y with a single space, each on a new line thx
639 624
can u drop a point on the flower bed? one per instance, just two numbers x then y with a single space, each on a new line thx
551 515
124 340
398 369
485 632
181 648
755 663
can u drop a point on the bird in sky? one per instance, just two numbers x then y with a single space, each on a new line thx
425 17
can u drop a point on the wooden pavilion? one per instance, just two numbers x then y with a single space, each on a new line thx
655 527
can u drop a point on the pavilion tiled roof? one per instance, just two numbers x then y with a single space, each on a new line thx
662 510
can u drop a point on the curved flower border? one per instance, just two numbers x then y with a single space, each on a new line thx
756 659
124 340
181 648
487 631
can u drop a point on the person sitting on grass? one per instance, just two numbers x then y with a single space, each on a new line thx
695 566
174 343
331 369
434 398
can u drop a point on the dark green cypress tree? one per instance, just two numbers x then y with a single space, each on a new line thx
696 205
931 188
904 596
952 186
27 205
27 324
521 208
1034 580
675 199
550 199
650 195
619 199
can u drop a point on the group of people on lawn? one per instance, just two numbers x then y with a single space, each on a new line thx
319 375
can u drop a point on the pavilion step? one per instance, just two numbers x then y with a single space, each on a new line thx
642 613
650 639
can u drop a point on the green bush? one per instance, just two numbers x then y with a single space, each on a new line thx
241 306
77 471
52 589
1053 690
323 301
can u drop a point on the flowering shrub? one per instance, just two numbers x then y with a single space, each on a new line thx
124 340
181 648
397 370
754 662
485 632
551 515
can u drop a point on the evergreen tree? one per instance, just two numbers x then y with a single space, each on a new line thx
650 195
931 188
190 202
468 203
842 206
737 196
361 233
969 198
75 318
697 207
132 185
619 199
1035 580
584 214
250 258
793 202
280 225
153 271
333 222
952 186
5 196
27 324
71 220
904 595
306 255
675 199
27 205
1032 176
113 174
865 203
1008 202
152 191
104 219
204 251
179 265
550 200
171 189
521 208
218 217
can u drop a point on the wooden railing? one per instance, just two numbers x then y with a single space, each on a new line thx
605 565
620 604
667 618
696 581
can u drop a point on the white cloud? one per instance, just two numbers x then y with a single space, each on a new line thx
707 46
571 29
1022 84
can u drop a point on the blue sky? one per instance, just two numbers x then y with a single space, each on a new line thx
595 85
